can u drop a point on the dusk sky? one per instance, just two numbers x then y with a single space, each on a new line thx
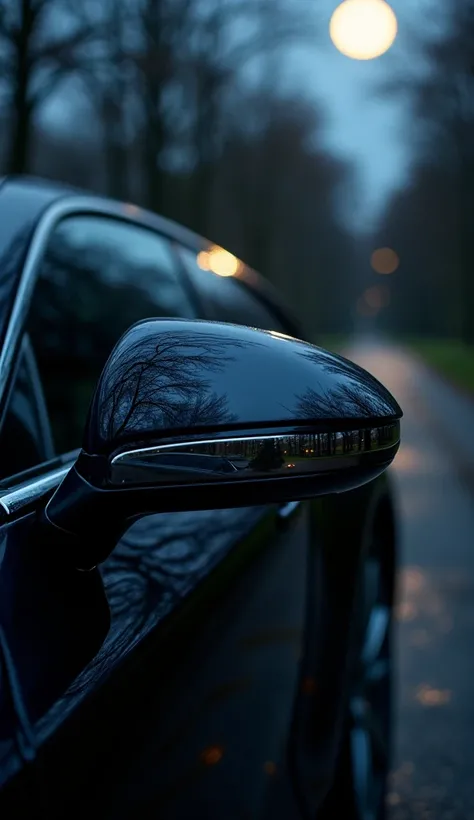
363 124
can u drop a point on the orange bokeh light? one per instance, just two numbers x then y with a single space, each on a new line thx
377 296
428 696
219 261
384 260
212 755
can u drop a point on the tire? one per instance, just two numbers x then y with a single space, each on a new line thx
359 788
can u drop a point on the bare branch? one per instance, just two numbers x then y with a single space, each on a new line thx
63 51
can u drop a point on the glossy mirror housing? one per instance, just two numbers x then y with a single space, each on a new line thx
200 415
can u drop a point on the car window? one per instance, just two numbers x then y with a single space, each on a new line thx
25 438
98 276
227 298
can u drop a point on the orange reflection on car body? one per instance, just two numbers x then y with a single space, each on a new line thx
308 686
428 696
212 755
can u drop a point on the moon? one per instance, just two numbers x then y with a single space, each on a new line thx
363 29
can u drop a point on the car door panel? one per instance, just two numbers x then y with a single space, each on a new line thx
54 618
65 663
212 664
218 727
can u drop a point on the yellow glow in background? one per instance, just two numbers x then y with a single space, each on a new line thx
363 29
219 261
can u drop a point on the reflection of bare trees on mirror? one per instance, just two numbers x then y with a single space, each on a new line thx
269 457
205 408
344 401
347 401
314 404
161 382
360 397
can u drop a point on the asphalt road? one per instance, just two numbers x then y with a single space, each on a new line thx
433 775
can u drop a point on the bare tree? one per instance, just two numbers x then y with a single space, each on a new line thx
217 62
41 42
188 61
442 101
184 132
275 207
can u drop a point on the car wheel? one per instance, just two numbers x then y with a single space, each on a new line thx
359 790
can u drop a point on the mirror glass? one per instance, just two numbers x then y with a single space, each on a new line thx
251 456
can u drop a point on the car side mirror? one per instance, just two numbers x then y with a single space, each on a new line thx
192 415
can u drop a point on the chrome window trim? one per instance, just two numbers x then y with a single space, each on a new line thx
31 491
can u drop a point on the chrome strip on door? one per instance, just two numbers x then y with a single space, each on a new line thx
30 492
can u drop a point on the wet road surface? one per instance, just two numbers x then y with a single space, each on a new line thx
433 773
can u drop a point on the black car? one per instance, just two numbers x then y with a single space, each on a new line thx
181 642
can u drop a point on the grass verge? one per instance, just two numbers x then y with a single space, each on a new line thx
450 357
334 342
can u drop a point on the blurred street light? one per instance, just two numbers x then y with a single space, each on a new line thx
363 29
219 261
373 300
384 260
377 296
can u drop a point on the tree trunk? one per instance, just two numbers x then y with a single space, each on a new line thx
18 160
19 154
153 172
157 68
202 186
116 158
203 143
